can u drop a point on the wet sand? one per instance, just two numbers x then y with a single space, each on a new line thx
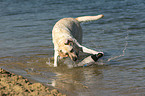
14 85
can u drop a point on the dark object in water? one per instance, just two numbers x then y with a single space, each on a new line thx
90 60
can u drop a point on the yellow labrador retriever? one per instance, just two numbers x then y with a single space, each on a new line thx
67 38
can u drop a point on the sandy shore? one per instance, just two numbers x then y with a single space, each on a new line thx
14 85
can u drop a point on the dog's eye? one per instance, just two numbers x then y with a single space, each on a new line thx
72 50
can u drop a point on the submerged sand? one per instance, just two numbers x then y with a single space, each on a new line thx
14 85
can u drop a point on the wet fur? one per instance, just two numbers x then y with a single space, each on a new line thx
67 38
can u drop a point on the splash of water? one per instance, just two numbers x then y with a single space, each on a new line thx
123 51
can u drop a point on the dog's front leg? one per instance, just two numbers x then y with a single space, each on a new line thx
55 58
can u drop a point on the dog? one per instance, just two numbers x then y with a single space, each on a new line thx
67 38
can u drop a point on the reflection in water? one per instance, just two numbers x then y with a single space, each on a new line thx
76 80
71 80
82 81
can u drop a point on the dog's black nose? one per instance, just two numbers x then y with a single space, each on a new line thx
74 58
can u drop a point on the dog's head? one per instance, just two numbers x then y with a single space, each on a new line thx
69 49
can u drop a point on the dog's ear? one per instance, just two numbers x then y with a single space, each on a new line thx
69 42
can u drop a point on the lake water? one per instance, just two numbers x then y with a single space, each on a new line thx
26 45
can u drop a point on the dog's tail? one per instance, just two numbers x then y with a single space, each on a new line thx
89 18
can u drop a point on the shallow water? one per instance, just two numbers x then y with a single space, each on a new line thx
26 45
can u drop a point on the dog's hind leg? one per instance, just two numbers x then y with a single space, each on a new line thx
86 50
89 51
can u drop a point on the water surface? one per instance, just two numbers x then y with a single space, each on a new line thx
26 45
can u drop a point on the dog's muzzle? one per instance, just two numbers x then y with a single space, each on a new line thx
74 56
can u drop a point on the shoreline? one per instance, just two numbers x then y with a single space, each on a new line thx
12 84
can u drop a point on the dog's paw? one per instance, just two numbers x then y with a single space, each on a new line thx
100 53
55 65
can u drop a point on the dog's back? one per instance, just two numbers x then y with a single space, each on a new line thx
71 27
65 28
